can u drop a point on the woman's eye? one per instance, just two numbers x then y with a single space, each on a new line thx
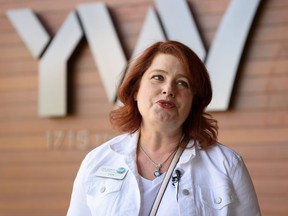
183 83
158 77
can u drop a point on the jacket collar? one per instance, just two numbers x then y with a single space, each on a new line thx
189 152
126 145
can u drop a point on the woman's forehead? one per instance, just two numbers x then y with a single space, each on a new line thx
165 62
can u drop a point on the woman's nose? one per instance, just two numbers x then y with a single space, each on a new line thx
168 91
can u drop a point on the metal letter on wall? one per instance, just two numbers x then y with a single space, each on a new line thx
30 30
53 68
105 45
53 63
180 25
151 32
226 50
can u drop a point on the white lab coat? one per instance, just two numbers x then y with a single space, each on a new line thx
214 182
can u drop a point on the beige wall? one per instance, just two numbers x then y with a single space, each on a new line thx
36 175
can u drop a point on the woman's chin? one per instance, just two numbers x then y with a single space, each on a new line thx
166 119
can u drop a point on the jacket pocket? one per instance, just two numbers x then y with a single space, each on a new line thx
103 192
101 187
217 197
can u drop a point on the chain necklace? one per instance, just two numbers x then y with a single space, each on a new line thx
158 166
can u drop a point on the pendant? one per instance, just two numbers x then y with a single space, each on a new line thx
157 172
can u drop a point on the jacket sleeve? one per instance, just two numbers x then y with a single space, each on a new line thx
78 204
247 202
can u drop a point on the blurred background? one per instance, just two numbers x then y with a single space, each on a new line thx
40 156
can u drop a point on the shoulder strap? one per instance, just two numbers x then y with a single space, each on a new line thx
165 181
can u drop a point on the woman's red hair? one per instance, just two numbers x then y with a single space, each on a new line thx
199 125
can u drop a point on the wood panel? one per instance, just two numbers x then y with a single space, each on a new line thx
39 157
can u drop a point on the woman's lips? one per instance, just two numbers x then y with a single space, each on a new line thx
166 104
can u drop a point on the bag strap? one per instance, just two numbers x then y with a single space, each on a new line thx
165 181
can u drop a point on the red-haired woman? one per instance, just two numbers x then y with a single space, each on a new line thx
168 142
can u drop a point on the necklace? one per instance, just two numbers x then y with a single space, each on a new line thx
158 166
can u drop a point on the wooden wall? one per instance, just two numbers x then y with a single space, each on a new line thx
39 157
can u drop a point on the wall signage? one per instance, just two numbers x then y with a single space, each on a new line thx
75 140
93 21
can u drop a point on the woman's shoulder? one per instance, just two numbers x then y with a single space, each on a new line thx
226 149
222 158
223 152
104 151
101 156
106 146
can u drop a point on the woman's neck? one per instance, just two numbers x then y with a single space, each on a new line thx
155 151
159 141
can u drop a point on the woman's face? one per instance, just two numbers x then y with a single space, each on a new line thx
164 96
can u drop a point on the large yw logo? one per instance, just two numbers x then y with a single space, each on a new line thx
174 22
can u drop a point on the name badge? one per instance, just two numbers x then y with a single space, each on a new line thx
110 172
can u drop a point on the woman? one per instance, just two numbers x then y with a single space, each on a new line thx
164 95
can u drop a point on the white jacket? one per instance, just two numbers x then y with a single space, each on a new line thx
214 182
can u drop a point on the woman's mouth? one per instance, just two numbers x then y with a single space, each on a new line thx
166 104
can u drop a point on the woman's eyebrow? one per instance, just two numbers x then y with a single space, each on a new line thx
159 70
166 72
